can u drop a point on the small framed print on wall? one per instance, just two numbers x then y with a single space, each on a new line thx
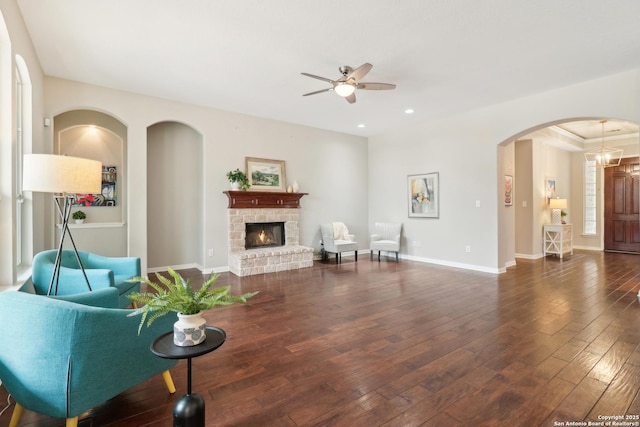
424 195
508 190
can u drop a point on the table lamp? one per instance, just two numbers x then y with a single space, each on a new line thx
61 175
556 206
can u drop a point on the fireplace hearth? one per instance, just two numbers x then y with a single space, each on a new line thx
264 235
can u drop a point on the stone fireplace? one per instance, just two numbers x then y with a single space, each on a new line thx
247 223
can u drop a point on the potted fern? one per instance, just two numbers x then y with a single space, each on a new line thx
238 180
179 296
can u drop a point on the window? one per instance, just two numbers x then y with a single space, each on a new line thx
589 198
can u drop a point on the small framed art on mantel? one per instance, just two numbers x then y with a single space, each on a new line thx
424 195
266 174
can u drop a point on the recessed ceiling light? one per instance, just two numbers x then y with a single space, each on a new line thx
409 111
361 125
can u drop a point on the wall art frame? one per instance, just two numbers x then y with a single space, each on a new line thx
508 190
424 195
549 189
266 174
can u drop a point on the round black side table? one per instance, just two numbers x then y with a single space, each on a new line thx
189 409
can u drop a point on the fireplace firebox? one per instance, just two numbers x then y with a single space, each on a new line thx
264 234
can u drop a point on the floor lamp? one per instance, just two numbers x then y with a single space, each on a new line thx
61 175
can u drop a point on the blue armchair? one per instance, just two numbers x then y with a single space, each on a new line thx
62 358
101 271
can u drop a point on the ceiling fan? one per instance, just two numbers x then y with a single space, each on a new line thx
346 85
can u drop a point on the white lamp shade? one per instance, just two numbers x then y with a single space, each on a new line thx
558 204
51 173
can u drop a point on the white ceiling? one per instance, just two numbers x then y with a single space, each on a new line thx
445 56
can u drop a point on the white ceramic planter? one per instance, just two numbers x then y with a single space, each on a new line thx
189 330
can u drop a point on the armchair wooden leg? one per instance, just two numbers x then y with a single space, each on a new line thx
378 256
356 252
370 255
15 417
166 375
72 422
396 256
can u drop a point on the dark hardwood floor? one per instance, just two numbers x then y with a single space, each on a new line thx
411 344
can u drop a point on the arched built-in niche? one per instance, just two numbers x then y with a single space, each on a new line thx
175 188
98 136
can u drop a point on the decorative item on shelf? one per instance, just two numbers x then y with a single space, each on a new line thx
289 189
79 217
604 156
238 180
295 186
179 296
563 214
556 206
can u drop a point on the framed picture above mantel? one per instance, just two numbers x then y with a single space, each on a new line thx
266 174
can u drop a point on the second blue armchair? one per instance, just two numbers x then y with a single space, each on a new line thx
101 271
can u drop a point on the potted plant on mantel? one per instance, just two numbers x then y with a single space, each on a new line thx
238 180
179 296
79 217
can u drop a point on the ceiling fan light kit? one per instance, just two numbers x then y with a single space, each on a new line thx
344 89
346 85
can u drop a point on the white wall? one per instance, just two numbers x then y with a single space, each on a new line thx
462 148
331 167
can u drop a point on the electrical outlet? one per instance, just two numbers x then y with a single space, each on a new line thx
467 248
210 252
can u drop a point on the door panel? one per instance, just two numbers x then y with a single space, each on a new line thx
622 207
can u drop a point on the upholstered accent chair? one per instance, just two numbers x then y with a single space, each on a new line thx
386 237
101 271
336 239
62 358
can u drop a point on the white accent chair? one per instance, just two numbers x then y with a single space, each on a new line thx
386 238
335 239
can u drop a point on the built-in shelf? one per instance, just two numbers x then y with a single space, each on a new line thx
263 199
94 225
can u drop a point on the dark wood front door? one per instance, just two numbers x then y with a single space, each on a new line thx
622 207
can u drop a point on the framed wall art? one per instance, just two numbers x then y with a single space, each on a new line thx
549 189
108 195
266 174
508 190
424 195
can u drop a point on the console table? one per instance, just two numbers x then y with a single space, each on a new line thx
558 239
189 409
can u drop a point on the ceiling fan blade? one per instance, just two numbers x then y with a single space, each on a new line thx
351 98
376 86
360 72
318 91
313 76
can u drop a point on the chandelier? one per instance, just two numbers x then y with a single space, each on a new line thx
605 156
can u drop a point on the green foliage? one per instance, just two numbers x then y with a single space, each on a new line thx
239 177
79 215
179 296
